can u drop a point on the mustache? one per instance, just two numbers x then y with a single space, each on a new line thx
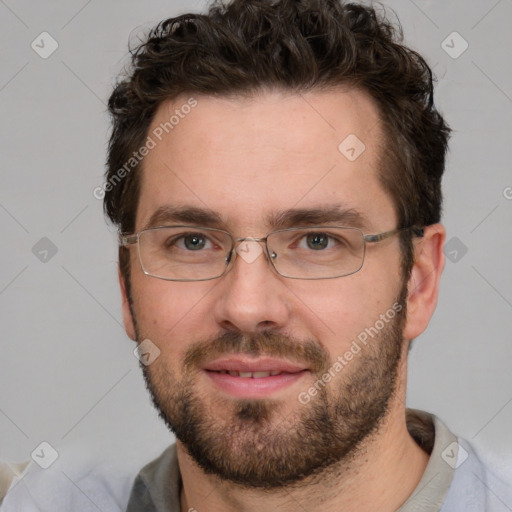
265 343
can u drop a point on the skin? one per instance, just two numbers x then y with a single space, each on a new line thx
245 157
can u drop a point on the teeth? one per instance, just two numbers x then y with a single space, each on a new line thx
258 375
248 375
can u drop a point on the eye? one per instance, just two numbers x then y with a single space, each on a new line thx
317 241
189 242
194 242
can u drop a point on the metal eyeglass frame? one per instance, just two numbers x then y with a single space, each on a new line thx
133 239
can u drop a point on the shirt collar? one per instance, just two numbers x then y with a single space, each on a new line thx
158 485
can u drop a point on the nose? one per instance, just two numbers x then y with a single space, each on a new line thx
251 296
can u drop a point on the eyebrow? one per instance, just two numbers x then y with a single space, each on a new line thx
322 215
293 217
185 215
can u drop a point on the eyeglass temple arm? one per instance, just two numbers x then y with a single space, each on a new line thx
127 239
382 236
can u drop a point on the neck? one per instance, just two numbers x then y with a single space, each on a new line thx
380 476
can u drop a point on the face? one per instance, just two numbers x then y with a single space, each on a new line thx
255 375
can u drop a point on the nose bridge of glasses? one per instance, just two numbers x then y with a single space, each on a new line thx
248 248
245 242
249 238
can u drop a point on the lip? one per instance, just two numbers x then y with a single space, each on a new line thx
245 364
253 386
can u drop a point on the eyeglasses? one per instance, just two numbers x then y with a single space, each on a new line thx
191 253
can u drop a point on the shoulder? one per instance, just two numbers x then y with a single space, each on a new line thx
476 486
457 478
80 485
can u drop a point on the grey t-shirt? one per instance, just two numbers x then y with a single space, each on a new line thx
454 480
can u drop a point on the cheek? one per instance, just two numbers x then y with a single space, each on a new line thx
169 312
340 309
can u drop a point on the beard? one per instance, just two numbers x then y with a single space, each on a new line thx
271 444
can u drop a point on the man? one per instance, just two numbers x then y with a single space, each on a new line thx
274 171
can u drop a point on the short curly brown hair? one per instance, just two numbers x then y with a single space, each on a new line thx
242 46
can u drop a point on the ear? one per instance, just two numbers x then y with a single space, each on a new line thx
129 325
423 285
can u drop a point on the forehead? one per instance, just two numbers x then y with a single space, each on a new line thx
248 160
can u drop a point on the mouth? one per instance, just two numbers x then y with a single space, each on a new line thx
243 377
252 375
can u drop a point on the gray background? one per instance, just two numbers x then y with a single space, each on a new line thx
67 372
